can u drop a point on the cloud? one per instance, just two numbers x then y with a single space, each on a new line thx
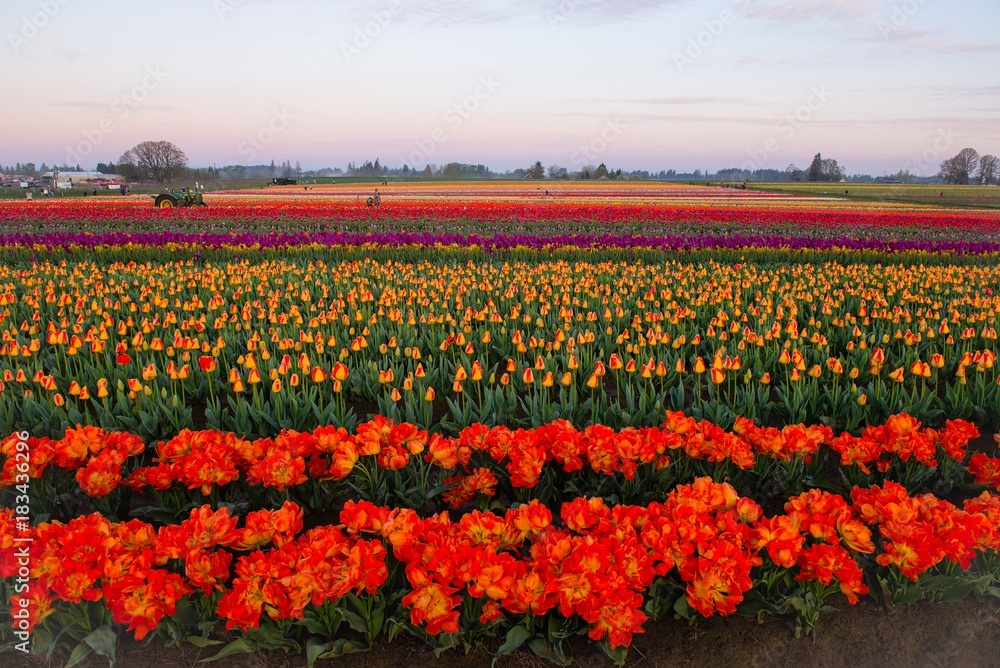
943 92
104 106
920 42
850 13
69 54
911 123
667 101
452 13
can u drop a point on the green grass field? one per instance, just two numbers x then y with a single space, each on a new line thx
941 195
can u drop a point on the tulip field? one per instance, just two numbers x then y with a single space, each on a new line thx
492 415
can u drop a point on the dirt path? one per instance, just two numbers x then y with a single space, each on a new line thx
959 635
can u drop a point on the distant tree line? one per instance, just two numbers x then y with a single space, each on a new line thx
30 170
163 162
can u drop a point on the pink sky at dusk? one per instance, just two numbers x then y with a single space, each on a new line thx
877 84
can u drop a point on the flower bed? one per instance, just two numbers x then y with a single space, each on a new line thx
523 575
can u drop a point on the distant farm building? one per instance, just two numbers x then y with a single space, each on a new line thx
65 180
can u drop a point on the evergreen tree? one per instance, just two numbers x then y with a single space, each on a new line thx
815 169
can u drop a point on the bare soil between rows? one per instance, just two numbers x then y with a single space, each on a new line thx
959 635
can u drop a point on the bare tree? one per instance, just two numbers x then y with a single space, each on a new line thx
957 170
793 173
989 169
159 161
831 170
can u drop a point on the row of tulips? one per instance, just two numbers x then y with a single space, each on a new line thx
254 348
229 215
70 242
522 575
400 464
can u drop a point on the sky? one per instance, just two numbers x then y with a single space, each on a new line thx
879 85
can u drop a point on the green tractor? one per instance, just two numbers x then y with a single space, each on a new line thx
184 197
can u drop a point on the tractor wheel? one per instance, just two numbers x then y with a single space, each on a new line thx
165 202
